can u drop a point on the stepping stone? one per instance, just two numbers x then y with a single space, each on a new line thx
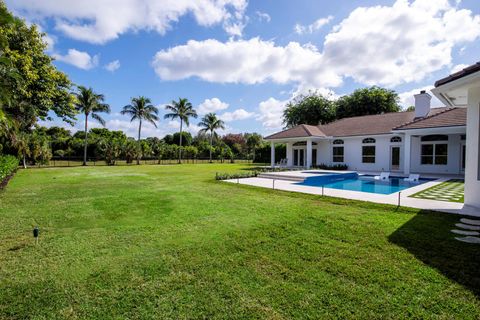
466 233
470 221
467 227
475 240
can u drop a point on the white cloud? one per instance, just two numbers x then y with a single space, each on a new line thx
271 113
262 16
79 59
407 98
458 67
244 61
211 105
379 45
390 45
311 28
239 114
113 66
101 21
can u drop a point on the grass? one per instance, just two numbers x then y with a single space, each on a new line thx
451 191
145 242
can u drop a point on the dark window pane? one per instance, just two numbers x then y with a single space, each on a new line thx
427 149
427 159
441 149
441 160
368 151
338 141
368 159
338 159
435 137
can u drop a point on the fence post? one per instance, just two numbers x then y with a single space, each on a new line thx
323 191
399 194
273 187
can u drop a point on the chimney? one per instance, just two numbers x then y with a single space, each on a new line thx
422 104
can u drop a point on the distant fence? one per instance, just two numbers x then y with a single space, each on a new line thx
78 161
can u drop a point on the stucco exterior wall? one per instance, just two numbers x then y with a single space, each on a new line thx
453 165
472 176
353 154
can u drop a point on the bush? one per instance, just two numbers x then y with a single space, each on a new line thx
338 167
228 176
8 165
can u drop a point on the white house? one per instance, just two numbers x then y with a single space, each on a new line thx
427 140
462 89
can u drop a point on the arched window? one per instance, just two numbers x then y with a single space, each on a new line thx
435 137
396 139
368 140
338 141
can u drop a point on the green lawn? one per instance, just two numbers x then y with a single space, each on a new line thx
451 191
170 242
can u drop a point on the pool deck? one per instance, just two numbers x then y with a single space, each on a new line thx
292 185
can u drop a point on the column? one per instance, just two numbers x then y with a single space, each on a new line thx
272 154
309 153
472 169
407 153
289 154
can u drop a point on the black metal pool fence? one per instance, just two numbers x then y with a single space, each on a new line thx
78 161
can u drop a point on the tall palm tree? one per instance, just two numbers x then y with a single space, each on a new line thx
183 110
141 108
90 103
210 123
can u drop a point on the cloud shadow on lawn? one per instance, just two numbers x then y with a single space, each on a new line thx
427 236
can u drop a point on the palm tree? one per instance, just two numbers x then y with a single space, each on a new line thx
141 109
210 123
90 103
21 141
183 110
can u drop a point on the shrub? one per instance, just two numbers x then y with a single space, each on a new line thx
8 165
338 167
228 176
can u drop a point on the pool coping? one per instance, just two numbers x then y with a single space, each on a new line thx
393 199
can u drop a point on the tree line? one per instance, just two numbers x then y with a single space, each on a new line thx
314 108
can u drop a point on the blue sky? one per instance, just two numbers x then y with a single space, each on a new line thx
245 59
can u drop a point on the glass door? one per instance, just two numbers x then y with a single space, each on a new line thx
395 159
301 157
295 157
463 155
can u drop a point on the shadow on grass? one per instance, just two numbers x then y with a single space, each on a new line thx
427 236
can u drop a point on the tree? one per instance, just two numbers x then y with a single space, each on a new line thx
211 123
141 109
21 141
312 109
182 110
35 86
254 141
90 103
367 101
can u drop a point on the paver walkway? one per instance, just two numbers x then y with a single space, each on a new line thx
451 190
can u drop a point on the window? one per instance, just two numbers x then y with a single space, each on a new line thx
463 137
435 137
368 140
338 141
396 139
338 154
435 152
368 154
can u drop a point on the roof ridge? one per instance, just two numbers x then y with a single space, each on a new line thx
416 120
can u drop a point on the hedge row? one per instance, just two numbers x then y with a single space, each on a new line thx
8 165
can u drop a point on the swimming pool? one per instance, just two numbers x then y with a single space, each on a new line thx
363 183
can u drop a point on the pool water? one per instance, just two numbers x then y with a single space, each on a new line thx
363 183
